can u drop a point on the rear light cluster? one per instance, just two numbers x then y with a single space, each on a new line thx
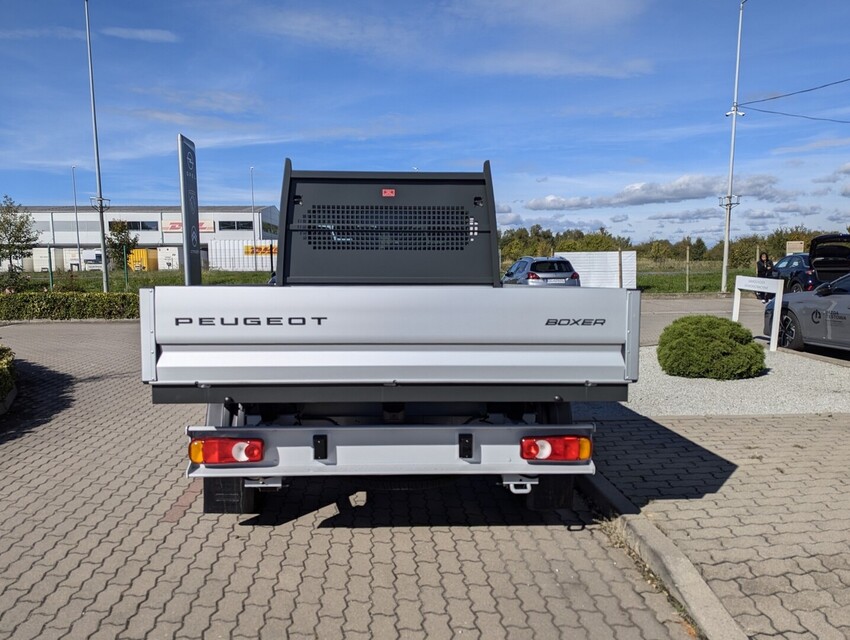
534 276
556 448
225 450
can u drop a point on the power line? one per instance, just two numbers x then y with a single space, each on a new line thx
794 93
796 115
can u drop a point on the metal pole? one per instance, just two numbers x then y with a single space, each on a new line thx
253 221
77 219
50 266
96 156
734 113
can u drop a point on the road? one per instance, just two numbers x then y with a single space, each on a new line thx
101 535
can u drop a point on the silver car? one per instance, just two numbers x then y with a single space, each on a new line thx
542 272
820 317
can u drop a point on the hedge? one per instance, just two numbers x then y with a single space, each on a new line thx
7 371
68 306
709 347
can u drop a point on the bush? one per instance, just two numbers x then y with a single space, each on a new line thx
709 347
7 371
68 306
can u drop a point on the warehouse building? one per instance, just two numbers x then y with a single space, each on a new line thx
64 230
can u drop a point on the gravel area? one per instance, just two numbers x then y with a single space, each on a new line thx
793 384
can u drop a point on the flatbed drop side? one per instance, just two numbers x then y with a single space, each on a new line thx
388 347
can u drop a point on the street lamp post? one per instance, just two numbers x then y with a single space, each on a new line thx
97 202
253 221
730 200
76 219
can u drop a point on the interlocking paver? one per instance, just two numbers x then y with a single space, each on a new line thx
111 543
768 538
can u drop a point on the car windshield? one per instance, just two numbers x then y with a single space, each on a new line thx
555 266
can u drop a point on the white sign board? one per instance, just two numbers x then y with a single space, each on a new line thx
610 269
761 285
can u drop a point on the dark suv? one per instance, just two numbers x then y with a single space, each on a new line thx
542 272
797 272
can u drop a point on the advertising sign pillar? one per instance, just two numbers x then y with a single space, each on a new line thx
189 206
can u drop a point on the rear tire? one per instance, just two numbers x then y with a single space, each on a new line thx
796 287
790 333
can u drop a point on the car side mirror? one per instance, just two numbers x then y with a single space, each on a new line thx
824 290
508 274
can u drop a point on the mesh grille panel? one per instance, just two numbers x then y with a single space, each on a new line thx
387 228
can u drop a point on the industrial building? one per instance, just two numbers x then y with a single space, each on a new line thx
65 230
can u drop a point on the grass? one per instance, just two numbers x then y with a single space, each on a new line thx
92 281
652 277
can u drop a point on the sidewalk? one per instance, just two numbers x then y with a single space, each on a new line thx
758 504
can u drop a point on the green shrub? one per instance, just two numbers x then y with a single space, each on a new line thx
709 347
68 306
7 371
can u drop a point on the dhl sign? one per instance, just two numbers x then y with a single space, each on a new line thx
262 250
176 226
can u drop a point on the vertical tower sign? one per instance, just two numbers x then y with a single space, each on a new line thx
189 206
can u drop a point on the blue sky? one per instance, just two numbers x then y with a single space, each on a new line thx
607 113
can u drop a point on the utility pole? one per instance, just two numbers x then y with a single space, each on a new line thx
76 219
97 202
731 200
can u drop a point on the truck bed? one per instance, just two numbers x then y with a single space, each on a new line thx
388 343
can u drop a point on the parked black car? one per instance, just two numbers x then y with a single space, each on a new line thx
797 272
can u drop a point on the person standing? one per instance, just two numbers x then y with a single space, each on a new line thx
764 269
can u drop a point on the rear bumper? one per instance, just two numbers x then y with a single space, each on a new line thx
363 450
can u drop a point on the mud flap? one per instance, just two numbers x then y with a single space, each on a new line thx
229 495
552 492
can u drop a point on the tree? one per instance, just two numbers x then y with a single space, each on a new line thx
17 239
601 240
698 249
119 243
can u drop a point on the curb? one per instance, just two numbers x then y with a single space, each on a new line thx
672 566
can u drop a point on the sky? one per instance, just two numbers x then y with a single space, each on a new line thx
593 114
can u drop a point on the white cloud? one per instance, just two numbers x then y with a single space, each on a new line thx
503 208
619 218
688 216
62 33
145 35
557 203
551 64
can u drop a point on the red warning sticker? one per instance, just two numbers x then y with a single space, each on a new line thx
388 193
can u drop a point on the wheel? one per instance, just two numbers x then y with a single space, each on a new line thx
796 287
790 333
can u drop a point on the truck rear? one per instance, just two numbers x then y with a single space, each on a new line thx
388 348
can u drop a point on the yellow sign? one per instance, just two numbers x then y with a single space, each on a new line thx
262 250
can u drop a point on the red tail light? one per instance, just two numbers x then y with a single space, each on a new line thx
225 450
574 276
556 448
533 276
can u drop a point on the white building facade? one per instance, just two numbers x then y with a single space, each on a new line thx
157 227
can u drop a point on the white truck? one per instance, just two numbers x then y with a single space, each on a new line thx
388 347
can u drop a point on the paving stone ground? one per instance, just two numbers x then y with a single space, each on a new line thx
759 504
101 536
